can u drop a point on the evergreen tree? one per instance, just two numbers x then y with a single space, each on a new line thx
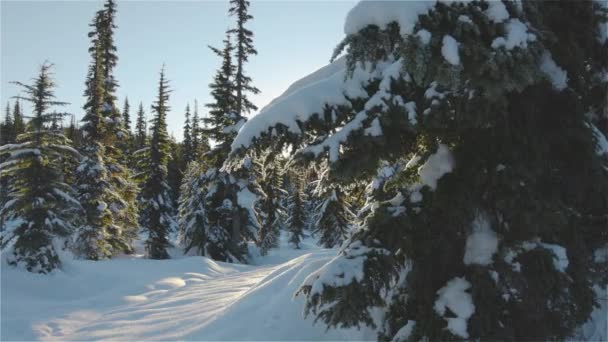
126 117
223 122
156 215
40 203
18 121
244 49
104 185
491 190
296 211
269 207
141 128
174 170
334 219
187 144
200 143
7 128
228 195
193 223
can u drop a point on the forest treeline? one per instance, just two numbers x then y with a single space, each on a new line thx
457 155
103 182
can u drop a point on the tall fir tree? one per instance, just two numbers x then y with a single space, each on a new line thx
222 121
228 197
491 191
7 128
126 115
194 228
41 206
104 183
200 143
188 155
296 210
141 128
156 213
244 48
270 210
334 219
18 121
175 172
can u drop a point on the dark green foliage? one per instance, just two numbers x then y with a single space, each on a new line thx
126 115
244 48
521 157
334 219
223 120
103 182
227 195
296 210
188 149
7 128
141 130
156 210
175 172
40 207
270 210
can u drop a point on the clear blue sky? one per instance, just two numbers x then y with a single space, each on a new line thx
293 38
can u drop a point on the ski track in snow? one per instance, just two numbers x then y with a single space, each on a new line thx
185 298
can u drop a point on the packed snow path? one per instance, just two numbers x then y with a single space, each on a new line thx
187 298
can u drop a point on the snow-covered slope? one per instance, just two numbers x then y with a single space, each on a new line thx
190 298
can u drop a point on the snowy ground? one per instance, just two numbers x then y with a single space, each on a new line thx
185 298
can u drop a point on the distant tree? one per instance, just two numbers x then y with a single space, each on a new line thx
175 172
141 129
18 121
195 132
156 210
244 48
269 207
126 116
296 210
188 155
41 206
7 128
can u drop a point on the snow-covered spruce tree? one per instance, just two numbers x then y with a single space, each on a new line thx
93 183
124 209
192 220
334 219
296 210
487 225
270 211
225 196
103 183
40 205
156 210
